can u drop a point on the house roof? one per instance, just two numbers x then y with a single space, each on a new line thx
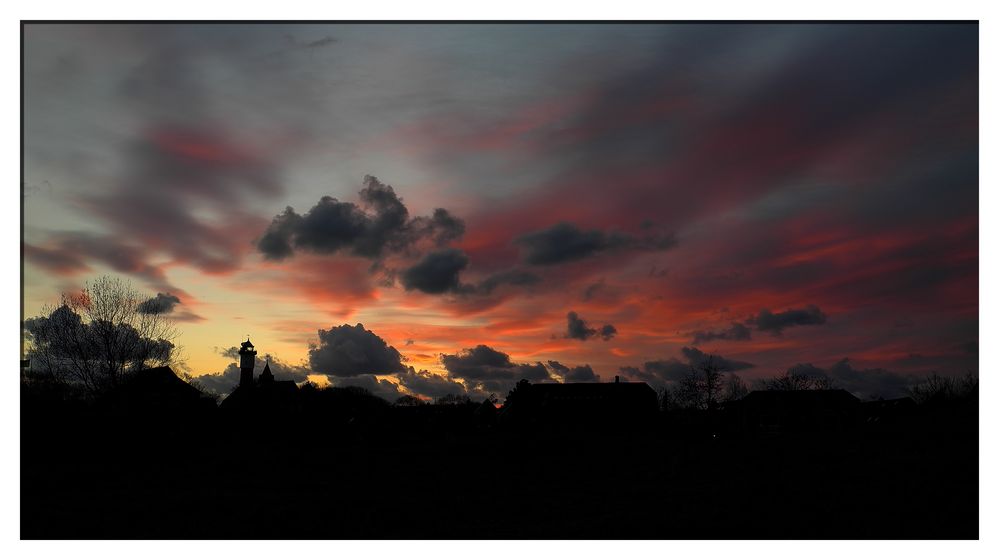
160 382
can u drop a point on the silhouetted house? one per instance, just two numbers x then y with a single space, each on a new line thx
785 412
570 406
156 392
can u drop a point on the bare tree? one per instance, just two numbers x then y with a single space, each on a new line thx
936 389
702 386
735 388
453 400
95 338
409 400
667 399
794 380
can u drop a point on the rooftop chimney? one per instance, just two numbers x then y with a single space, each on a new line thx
617 379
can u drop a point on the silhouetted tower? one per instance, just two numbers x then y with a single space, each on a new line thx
247 357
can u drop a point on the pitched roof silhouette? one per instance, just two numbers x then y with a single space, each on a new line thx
160 382
155 391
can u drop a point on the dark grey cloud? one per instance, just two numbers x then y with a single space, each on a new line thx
513 277
185 192
221 383
161 303
437 272
429 385
870 383
68 252
667 371
577 374
378 226
672 370
775 323
441 228
565 242
54 259
592 290
231 352
737 331
579 330
347 351
697 357
491 371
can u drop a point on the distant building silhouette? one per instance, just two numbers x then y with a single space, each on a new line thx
575 405
782 412
261 394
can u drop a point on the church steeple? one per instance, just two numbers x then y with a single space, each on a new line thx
266 376
247 358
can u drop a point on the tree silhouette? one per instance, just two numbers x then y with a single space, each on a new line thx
735 388
99 336
794 380
518 392
701 388
409 400
452 399
936 389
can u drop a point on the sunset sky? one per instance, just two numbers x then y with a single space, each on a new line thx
582 201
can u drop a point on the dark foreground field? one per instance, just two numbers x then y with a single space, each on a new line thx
88 479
